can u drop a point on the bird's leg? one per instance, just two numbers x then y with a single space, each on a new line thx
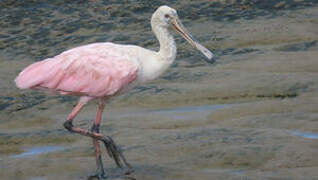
95 128
112 149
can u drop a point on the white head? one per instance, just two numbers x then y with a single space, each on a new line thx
163 15
166 16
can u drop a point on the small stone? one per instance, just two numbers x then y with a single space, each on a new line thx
280 5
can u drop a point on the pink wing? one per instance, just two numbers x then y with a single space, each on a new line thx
95 70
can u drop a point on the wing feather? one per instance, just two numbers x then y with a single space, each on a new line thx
85 70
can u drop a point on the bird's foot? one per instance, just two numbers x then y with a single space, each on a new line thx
100 174
115 176
97 176
114 152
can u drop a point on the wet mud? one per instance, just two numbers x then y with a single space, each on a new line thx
251 115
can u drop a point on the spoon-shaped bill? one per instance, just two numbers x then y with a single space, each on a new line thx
178 26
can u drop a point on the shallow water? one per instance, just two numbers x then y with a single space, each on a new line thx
227 120
38 150
305 134
38 178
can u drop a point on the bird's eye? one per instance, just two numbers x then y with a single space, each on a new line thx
167 16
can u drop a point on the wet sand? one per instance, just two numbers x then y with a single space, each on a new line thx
251 115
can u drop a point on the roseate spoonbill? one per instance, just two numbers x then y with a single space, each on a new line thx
103 70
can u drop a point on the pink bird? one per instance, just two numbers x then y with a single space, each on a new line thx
104 70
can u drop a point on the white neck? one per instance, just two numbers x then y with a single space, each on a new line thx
158 62
168 49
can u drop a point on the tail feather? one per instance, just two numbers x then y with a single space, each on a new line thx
35 74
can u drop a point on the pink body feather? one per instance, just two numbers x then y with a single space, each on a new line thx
95 70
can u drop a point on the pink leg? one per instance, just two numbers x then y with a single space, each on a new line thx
112 149
95 128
